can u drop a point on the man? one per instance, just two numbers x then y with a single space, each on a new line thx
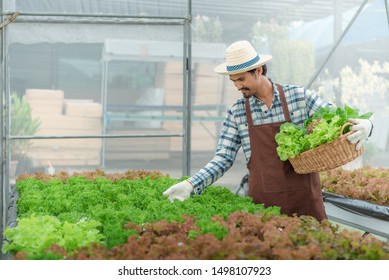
252 122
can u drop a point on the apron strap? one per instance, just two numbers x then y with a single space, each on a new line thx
248 113
283 103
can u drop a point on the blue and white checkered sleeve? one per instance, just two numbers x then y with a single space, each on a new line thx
227 148
314 102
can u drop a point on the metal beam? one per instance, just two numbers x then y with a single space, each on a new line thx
2 220
187 100
91 136
336 44
387 10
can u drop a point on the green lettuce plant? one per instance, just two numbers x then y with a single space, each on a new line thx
35 234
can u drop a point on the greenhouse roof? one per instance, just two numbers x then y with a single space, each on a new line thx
288 9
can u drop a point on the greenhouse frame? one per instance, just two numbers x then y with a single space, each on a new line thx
129 84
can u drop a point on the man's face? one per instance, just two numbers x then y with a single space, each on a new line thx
245 82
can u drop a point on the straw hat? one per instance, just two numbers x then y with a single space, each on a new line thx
241 57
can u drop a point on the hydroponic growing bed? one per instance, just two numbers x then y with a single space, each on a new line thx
93 215
359 198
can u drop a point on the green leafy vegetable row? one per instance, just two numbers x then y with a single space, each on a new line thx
37 233
112 204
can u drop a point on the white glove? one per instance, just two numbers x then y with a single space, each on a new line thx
362 129
180 191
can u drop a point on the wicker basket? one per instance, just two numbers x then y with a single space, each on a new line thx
327 156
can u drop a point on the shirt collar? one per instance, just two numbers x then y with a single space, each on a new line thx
276 96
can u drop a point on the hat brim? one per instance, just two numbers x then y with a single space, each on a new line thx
222 68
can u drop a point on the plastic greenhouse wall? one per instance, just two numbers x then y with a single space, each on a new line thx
72 71
129 84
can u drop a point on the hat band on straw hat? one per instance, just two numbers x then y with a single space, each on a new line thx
243 65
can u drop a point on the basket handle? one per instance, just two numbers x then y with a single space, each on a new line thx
344 126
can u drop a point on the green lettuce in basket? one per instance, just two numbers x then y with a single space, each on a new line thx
323 127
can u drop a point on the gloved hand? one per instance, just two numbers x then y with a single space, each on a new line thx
180 191
362 129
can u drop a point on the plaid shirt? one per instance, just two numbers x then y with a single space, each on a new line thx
302 104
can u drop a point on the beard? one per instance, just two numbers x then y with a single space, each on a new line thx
245 92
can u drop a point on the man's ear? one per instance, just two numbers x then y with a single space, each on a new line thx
259 71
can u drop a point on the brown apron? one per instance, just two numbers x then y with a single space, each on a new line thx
273 181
